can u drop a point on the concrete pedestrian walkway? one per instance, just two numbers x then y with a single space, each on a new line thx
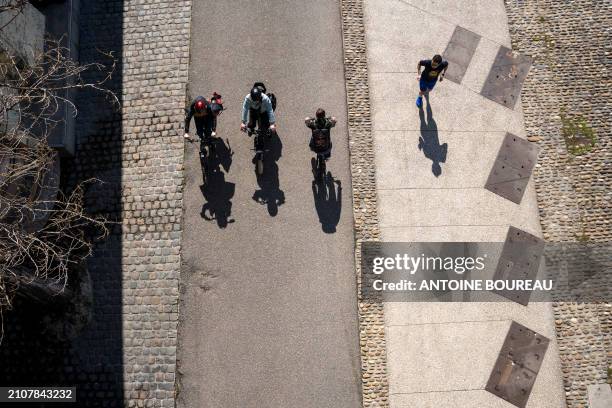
432 166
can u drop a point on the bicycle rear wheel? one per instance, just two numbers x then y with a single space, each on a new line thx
320 167
204 163
259 165
259 152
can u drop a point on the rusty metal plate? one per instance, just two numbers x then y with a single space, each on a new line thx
506 77
517 365
512 168
520 259
459 53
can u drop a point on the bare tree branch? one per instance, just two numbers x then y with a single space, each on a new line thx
15 6
41 238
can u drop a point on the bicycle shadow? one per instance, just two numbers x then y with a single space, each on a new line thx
222 155
217 192
269 192
327 195
429 141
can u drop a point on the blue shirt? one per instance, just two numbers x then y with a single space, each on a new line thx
265 105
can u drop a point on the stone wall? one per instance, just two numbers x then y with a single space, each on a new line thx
566 95
141 157
375 386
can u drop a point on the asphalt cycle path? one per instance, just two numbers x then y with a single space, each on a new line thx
268 293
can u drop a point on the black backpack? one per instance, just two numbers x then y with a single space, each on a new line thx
320 139
270 95
272 99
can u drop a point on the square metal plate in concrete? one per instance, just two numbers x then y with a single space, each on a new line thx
517 365
519 260
459 53
505 80
512 168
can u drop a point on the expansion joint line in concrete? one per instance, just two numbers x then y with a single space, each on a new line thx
375 385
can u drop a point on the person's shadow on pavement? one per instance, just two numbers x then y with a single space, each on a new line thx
269 192
216 191
218 194
429 142
328 202
223 154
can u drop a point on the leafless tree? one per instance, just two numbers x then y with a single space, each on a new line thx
6 5
42 236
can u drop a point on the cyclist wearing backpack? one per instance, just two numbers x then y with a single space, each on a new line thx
320 141
258 107
204 114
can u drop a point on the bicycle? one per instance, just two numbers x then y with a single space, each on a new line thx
260 137
320 166
321 146
207 152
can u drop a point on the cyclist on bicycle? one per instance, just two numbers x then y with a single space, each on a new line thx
320 141
204 113
257 107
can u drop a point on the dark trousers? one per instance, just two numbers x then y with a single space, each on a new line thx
204 128
257 117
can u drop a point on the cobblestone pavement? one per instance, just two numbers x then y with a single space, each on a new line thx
155 72
365 207
568 91
154 68
138 154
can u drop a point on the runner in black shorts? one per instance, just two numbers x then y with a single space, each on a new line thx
434 68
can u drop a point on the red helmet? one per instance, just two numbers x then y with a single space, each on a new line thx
200 104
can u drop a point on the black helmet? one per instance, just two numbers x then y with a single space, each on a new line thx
256 94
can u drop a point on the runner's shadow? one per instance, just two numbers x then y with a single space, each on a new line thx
429 142
216 191
269 192
328 202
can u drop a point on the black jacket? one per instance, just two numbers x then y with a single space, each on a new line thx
206 114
